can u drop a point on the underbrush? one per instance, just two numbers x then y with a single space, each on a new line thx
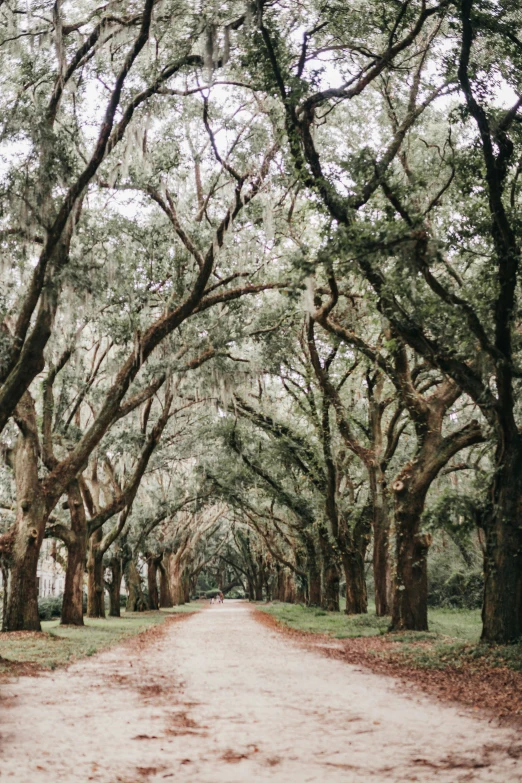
58 645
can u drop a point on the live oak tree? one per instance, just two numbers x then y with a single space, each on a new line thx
190 277
443 257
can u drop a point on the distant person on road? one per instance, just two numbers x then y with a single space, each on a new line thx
221 597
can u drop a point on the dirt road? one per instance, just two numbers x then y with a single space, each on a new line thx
222 699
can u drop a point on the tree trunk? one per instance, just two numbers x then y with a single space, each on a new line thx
259 589
353 539
330 573
381 546
186 590
5 584
410 603
502 606
165 598
95 583
356 593
72 607
175 581
289 594
115 567
152 582
314 587
136 600
31 517
314 573
300 592
277 590
330 588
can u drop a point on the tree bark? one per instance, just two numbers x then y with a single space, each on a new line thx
186 590
289 588
136 600
258 587
381 545
502 606
356 592
31 517
314 573
152 582
330 574
175 580
72 608
4 569
95 583
114 587
300 593
165 598
277 588
410 604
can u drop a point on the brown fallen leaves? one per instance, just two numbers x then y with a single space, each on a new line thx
472 680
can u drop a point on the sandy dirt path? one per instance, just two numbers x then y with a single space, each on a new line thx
220 698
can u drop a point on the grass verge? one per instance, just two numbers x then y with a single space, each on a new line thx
453 623
26 652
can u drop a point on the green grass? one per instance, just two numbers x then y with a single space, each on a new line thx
452 639
58 645
455 623
335 624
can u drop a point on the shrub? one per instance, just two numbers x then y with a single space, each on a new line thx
50 607
212 593
459 590
236 592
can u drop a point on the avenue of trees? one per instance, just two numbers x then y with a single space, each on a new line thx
260 303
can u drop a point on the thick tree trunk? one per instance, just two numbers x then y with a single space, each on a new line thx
72 608
356 593
382 572
175 581
410 603
95 583
314 587
5 587
353 540
277 590
289 593
136 600
22 603
186 590
330 588
300 592
330 573
165 598
152 582
502 607
314 573
31 517
116 570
